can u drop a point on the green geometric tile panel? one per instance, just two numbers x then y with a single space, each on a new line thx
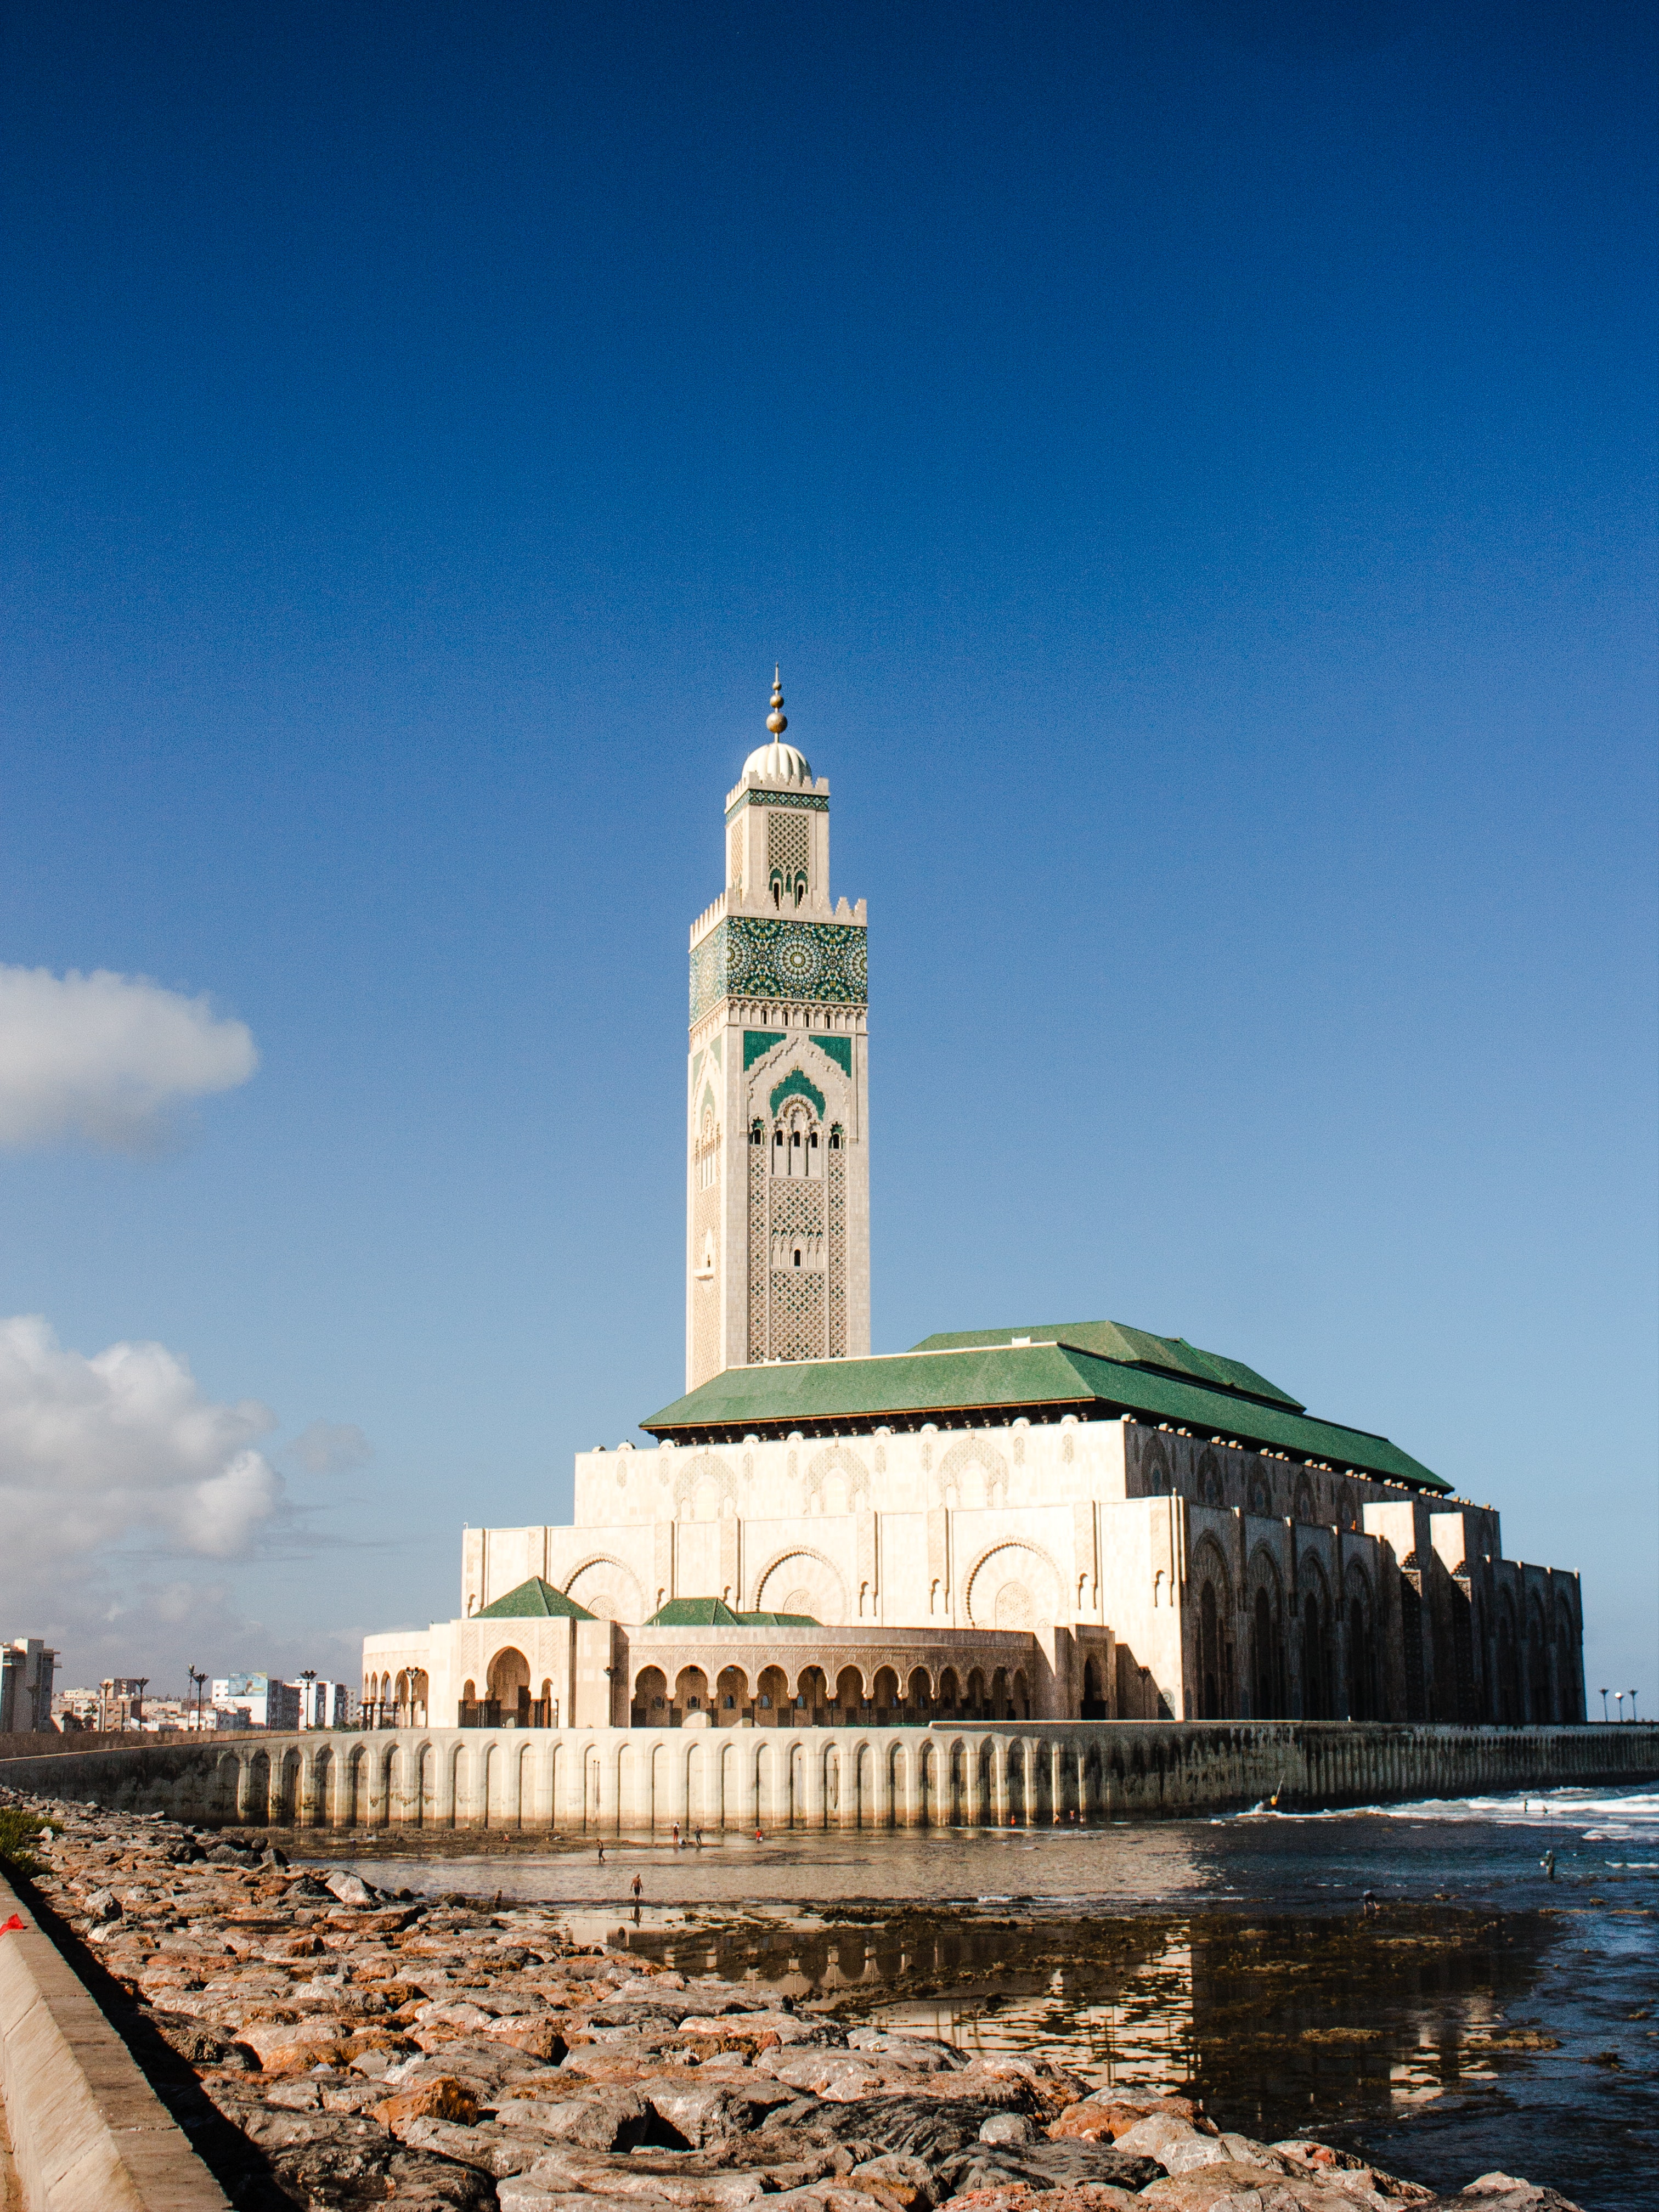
808 962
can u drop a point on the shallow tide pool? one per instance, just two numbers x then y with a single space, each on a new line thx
1474 2014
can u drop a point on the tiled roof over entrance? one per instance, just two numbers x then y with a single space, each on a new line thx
714 1613
984 1376
533 1600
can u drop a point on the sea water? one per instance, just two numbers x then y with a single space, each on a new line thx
1407 1980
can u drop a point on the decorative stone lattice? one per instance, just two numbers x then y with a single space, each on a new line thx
788 842
796 1314
836 1180
757 1252
734 869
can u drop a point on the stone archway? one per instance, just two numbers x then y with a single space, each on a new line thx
801 1573
1013 1585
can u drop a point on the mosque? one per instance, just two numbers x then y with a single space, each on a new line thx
1055 1520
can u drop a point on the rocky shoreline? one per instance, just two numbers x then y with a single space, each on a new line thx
328 2044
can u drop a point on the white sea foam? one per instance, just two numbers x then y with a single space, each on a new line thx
1601 1816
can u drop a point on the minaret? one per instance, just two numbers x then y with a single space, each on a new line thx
777 1203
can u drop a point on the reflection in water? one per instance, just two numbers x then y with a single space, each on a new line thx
1456 2032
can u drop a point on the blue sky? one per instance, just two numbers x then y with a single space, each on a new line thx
1195 465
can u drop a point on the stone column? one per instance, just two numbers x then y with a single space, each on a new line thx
306 1812
882 1784
375 1810
748 1806
1000 1781
1056 1777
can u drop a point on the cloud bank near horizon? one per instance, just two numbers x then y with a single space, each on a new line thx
107 1059
122 1445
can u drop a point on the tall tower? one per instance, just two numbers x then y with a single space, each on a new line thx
777 1191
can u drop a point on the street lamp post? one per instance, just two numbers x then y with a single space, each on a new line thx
1618 1700
1632 1705
1605 1714
308 1676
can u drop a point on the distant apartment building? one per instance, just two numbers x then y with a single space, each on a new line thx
325 1705
121 1701
267 1702
27 1667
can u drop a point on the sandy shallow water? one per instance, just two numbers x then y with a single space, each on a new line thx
1481 2015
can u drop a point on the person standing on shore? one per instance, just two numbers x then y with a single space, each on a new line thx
638 1888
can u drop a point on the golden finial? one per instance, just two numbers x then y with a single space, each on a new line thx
777 721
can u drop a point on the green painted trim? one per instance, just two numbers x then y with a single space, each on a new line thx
803 802
757 1043
839 1049
797 1085
714 1051
696 1063
708 1099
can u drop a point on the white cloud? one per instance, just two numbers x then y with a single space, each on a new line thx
331 1447
106 1058
121 1446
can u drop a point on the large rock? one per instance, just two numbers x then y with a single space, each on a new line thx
443 2098
1231 2185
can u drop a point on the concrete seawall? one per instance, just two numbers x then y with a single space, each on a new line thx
88 2134
605 1780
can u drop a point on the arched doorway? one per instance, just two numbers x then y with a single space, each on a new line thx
509 1689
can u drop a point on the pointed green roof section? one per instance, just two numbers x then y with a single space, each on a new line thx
1135 1347
534 1600
964 1382
714 1613
694 1612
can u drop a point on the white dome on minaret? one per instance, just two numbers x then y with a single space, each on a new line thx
777 762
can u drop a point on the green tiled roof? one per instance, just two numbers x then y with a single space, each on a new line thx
694 1612
1135 1347
714 1613
534 1600
980 1379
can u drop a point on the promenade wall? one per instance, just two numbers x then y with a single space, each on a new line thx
88 2134
606 1780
